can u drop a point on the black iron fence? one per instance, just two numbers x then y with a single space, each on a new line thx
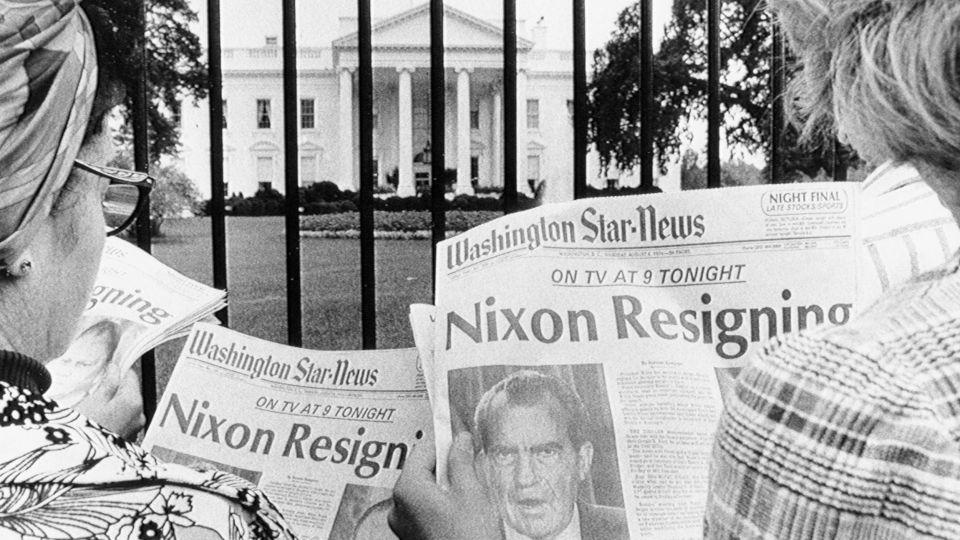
437 115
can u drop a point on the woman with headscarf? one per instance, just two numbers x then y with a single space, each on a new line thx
61 475
838 432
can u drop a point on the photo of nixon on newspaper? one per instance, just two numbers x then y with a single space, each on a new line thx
547 456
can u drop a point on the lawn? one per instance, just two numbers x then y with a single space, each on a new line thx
330 270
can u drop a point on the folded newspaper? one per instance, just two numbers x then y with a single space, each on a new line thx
137 303
579 342
325 434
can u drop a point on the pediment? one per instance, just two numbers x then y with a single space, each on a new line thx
411 30
264 147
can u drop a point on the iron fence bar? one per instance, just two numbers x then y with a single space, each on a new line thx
713 93
217 191
291 176
579 100
777 76
510 106
839 168
368 299
437 135
141 162
646 94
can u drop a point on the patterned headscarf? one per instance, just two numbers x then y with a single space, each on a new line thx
48 78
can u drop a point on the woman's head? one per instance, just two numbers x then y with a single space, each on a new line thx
51 225
884 73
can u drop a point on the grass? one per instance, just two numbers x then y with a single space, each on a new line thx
330 283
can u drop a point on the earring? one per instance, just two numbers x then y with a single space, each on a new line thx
18 268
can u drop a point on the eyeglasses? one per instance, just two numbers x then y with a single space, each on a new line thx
125 197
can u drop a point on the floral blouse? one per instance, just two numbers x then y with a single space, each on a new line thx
62 476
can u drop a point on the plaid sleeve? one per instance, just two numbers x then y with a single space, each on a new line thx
829 438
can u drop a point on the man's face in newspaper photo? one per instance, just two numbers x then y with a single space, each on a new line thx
533 468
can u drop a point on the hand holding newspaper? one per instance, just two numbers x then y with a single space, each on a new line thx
325 434
137 303
578 343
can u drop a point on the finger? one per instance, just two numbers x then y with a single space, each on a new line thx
418 479
416 496
423 461
460 469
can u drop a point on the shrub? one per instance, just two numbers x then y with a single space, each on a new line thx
320 192
616 192
457 221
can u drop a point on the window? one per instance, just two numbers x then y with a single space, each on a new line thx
533 114
265 171
263 114
271 40
474 119
533 168
376 172
308 170
224 110
421 118
306 114
474 168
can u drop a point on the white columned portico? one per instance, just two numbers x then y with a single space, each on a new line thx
405 184
463 132
346 178
497 139
522 185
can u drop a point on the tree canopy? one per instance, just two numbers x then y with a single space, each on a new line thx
680 87
174 67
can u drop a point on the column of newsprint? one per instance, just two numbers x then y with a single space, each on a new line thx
580 342
325 434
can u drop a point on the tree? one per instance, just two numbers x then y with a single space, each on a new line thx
735 172
680 87
173 194
173 61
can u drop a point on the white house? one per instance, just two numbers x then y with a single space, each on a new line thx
328 112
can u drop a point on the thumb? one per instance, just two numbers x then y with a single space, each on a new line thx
460 470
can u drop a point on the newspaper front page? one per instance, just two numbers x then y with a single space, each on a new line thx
324 434
578 343
136 304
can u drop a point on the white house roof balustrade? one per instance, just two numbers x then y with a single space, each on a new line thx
405 39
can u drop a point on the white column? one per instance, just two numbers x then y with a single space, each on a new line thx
522 185
497 140
345 177
483 106
463 132
405 184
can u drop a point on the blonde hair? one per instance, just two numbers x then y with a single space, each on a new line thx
885 74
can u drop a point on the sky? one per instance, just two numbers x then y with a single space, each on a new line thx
245 23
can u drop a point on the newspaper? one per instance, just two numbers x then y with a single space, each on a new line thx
325 434
137 303
579 342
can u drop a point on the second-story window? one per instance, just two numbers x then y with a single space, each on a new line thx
474 119
263 114
533 114
306 114
223 109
